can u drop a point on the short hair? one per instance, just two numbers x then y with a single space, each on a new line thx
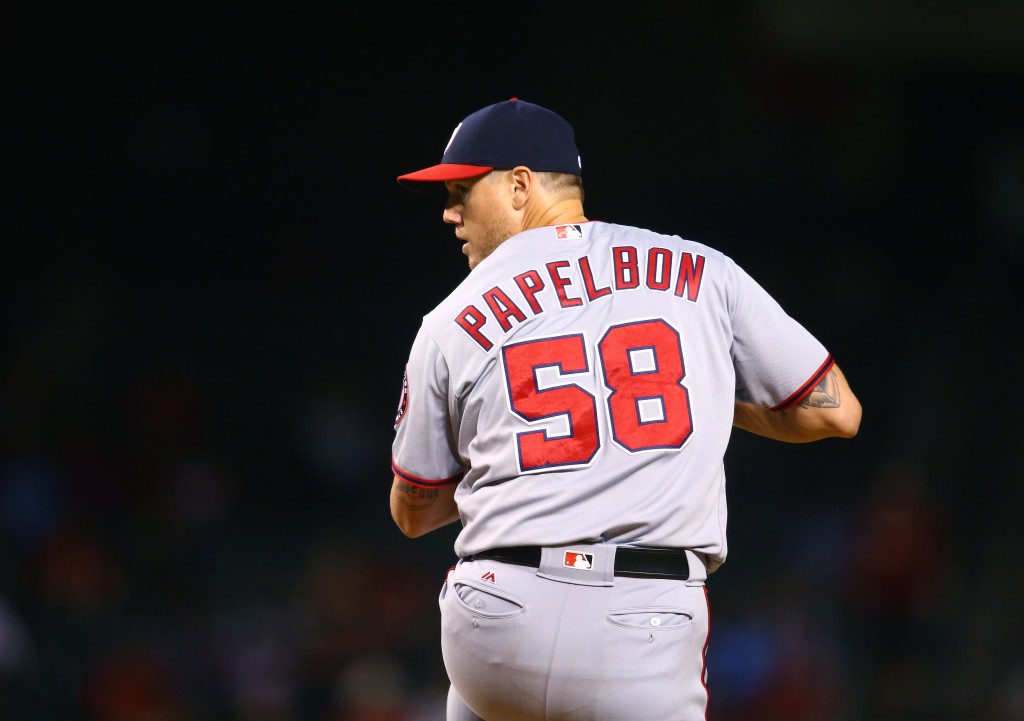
566 185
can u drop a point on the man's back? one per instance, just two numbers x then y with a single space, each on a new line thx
587 373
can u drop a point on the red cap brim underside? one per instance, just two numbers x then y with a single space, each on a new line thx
443 172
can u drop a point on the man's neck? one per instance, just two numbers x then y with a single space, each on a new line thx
561 212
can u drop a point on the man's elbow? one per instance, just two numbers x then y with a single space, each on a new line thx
410 526
847 424
408 522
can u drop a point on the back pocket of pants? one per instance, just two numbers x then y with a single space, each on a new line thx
486 602
650 619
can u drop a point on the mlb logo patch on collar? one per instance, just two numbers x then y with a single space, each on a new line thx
568 232
575 559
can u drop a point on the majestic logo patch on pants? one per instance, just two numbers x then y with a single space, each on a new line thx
489 576
575 559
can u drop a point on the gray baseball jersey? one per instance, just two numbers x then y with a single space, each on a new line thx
578 386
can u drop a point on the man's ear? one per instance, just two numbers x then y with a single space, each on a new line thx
522 185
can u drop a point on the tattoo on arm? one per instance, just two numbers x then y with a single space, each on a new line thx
825 394
415 498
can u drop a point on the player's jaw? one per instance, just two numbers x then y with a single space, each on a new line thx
481 240
481 230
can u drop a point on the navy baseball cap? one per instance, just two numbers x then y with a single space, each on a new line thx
504 135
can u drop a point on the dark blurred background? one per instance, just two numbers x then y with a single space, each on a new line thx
210 281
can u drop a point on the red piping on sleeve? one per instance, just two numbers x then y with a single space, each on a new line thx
807 387
424 482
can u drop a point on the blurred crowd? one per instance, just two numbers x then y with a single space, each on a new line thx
150 574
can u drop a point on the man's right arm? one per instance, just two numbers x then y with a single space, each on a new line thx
418 510
830 410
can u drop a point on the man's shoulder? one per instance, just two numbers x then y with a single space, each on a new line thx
649 236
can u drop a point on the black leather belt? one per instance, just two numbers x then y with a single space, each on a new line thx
667 563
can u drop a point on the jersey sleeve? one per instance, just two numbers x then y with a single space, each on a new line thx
777 360
423 451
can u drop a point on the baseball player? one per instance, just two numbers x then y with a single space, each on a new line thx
570 404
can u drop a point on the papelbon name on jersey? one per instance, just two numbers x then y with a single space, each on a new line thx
660 271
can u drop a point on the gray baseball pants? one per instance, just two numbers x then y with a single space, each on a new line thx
557 643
